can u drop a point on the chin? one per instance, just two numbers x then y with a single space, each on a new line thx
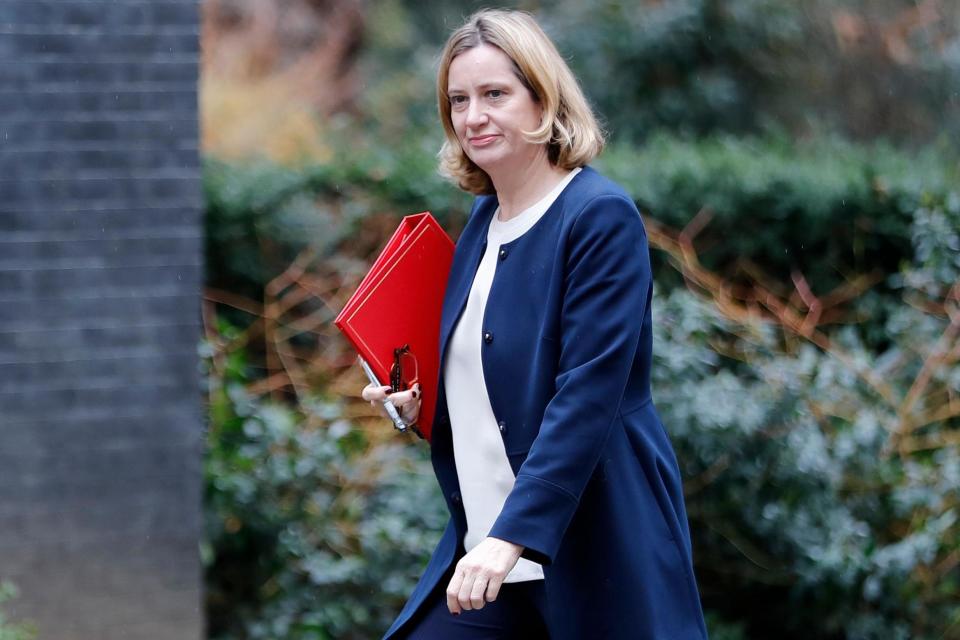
486 162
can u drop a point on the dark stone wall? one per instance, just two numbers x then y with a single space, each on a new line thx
100 275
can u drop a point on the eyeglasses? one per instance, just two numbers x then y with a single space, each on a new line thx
403 373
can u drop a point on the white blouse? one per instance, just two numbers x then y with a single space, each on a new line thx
483 469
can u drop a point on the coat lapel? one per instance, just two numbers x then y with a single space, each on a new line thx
470 248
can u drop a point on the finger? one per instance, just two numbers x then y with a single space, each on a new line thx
373 393
493 588
410 412
401 398
408 395
465 597
453 592
376 395
477 593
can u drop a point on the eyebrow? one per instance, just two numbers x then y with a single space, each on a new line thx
481 87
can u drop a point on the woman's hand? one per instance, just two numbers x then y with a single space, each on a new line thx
407 402
480 573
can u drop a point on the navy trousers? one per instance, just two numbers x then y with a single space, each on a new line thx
518 613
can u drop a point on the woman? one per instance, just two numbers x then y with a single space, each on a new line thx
567 514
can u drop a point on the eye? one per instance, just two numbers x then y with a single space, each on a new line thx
495 93
458 100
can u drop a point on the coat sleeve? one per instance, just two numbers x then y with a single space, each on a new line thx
606 280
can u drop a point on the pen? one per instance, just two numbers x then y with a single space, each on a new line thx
391 410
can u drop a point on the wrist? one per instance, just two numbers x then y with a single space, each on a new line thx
513 545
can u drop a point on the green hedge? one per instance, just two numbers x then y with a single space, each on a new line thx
13 630
806 520
826 208
311 532
259 215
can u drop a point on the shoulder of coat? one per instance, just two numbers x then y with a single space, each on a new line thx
591 185
595 194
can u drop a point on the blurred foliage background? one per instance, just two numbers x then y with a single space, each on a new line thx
797 168
13 630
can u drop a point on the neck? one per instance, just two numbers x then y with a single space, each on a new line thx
521 187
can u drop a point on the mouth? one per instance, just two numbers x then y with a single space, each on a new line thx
482 141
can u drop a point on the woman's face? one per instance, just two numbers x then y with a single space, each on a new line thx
490 108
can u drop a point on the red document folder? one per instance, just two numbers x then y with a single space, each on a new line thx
399 302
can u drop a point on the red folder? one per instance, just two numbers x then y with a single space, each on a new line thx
399 302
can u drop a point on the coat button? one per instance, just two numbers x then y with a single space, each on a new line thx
503 426
455 497
487 337
503 254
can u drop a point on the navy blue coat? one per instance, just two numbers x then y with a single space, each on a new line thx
598 497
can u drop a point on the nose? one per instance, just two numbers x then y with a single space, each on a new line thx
476 115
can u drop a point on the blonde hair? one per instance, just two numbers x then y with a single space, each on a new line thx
569 128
